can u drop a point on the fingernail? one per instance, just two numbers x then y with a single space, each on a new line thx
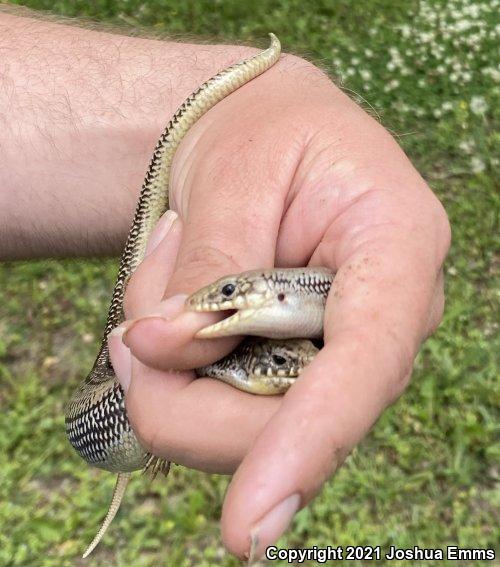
167 309
121 358
161 230
272 526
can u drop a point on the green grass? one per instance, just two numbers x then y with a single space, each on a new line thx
427 473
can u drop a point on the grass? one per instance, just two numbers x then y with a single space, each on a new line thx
428 473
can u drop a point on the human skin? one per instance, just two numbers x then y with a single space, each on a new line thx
287 171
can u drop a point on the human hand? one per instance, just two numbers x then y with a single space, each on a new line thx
285 172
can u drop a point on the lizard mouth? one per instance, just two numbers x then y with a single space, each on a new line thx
194 304
227 326
292 372
198 305
240 315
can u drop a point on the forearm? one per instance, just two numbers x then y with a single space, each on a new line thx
80 112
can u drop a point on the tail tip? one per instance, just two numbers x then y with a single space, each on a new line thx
275 42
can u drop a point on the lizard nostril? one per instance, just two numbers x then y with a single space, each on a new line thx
281 297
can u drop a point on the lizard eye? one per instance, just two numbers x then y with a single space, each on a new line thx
228 289
279 360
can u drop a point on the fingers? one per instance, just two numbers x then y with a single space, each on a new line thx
376 316
203 424
145 287
144 310
231 210
142 300
147 284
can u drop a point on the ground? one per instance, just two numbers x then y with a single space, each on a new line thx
426 475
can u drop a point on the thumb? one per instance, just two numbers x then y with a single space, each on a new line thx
231 205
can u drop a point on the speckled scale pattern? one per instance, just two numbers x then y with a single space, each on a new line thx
103 428
96 421
317 282
252 366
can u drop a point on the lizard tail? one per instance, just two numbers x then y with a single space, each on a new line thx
120 486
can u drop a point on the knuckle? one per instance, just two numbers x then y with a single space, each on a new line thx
404 356
395 352
437 307
202 263
442 226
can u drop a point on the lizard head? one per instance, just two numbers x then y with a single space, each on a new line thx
242 296
279 303
263 366
241 291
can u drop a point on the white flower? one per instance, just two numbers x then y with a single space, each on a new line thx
492 72
467 146
391 85
472 10
462 25
477 164
426 37
405 31
365 74
402 107
478 105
